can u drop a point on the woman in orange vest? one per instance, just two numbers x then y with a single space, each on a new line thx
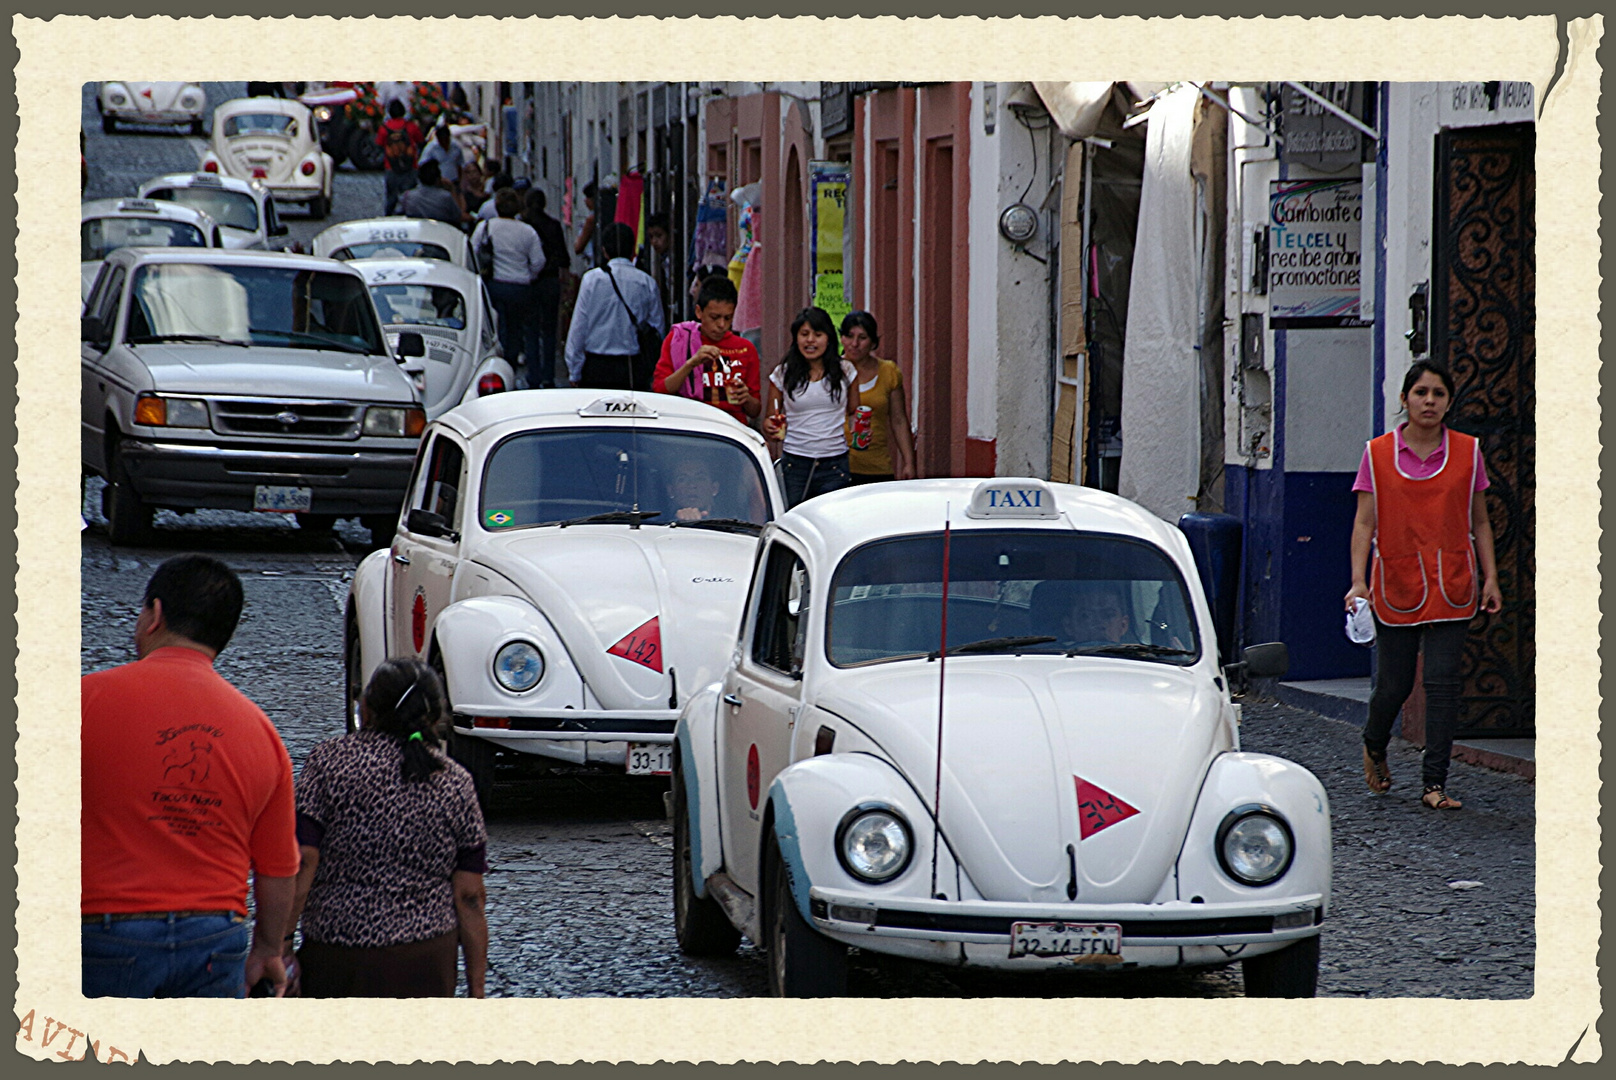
1418 502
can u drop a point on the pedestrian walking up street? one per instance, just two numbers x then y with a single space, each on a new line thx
394 852
886 449
812 396
603 348
513 249
429 198
546 290
1419 501
186 789
446 152
400 140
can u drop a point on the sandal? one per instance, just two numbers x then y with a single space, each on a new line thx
1437 799
1375 772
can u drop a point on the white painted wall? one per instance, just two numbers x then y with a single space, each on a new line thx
1410 128
1247 395
982 398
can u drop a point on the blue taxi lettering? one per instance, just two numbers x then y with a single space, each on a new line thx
1020 497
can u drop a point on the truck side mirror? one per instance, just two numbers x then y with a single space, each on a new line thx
91 329
410 344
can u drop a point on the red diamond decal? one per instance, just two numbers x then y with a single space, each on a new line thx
1098 809
642 645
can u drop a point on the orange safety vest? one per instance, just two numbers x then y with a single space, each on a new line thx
1425 564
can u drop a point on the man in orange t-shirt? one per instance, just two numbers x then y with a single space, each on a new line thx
696 355
186 787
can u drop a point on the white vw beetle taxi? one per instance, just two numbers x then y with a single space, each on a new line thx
1096 811
573 562
244 211
449 308
105 225
273 141
395 238
180 103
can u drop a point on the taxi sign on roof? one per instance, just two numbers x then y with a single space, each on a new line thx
618 406
137 206
1012 497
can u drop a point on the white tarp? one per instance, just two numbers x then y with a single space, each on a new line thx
1161 380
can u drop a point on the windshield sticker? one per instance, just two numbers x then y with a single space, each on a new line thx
642 645
498 518
1098 809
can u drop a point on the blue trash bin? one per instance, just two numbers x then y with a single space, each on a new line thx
1215 543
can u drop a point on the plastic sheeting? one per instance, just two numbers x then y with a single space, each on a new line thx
1161 403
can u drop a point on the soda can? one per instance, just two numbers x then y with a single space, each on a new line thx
862 425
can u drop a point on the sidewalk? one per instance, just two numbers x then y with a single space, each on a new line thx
1348 699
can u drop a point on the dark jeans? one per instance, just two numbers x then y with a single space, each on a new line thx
1396 649
398 182
872 478
806 477
607 371
542 332
165 956
512 303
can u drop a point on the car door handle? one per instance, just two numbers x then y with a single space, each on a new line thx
732 699
401 558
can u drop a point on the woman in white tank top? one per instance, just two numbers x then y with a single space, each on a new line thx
811 395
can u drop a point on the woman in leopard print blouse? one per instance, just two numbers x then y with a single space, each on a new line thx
394 852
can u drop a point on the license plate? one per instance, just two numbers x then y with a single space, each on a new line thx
1084 943
650 759
283 500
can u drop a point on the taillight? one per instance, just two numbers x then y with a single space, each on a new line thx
492 383
308 168
210 166
259 174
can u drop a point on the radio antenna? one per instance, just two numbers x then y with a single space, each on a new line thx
942 666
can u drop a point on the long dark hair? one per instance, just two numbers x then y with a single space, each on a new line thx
405 701
796 364
1427 367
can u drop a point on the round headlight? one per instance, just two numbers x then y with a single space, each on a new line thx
518 667
1255 846
323 113
117 99
874 844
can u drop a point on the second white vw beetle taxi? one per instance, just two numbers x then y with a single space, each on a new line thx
275 142
244 212
573 562
449 308
395 238
105 225
180 103
1089 808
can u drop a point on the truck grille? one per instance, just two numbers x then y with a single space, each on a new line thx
294 419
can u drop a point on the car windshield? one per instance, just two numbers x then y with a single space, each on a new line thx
260 305
259 124
99 237
393 249
550 477
420 305
236 209
1081 593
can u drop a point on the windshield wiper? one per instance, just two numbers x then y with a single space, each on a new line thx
727 524
615 517
992 644
154 339
1127 648
319 341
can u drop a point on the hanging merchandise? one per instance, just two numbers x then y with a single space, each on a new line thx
630 210
709 243
749 305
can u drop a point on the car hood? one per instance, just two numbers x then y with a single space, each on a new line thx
261 371
600 584
1023 742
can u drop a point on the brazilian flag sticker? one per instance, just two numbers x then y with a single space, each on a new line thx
498 518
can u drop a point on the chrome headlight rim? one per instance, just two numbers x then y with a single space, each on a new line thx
1242 813
866 809
538 655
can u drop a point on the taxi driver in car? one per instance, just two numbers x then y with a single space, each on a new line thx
692 489
1096 614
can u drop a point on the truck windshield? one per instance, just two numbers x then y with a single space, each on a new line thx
550 477
1082 593
257 305
99 237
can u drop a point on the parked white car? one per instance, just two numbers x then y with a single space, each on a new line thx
1097 813
181 103
276 142
242 380
573 562
244 211
395 238
449 308
105 225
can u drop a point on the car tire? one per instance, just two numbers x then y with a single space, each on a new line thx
353 673
699 923
363 151
319 208
1291 972
316 523
109 126
475 755
803 963
129 519
381 529
197 128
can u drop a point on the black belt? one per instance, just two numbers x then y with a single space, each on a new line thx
122 916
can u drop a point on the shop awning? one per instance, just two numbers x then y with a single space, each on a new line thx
1078 107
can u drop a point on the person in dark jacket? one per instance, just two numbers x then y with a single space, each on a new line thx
546 290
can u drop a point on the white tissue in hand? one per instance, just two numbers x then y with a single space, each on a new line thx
1361 623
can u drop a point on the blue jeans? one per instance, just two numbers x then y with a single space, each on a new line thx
806 477
166 957
511 303
396 184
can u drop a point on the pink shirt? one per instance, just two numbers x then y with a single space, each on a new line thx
1414 466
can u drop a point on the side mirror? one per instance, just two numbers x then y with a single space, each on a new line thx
91 329
280 228
1269 660
410 344
426 523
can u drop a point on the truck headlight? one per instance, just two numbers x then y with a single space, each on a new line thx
154 411
518 667
381 420
873 843
1254 845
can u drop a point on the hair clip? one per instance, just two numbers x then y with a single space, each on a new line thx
415 736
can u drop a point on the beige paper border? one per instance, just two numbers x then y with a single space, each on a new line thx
56 57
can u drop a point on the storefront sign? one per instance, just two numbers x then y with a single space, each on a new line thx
1469 104
828 184
1315 136
1315 230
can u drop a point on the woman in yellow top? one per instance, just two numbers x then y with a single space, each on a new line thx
890 454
